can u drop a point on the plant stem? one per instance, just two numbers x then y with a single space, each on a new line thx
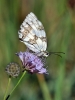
7 87
16 85
44 87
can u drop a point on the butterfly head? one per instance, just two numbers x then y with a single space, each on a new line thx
45 54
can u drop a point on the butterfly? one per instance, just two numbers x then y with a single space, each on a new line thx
33 35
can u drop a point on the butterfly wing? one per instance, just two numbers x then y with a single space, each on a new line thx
32 34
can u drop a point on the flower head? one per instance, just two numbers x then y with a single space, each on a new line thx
32 63
13 69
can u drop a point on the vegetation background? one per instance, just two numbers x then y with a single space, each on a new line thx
58 18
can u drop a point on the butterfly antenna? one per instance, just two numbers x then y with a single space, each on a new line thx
57 53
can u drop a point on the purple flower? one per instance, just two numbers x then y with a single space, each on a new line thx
32 63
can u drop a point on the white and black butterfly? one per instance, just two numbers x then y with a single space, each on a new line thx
33 35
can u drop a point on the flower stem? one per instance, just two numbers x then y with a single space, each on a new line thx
7 87
44 87
16 85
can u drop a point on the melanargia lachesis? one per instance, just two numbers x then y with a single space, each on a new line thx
33 35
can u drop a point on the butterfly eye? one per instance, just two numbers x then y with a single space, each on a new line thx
47 54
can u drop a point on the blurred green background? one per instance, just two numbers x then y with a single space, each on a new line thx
58 18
